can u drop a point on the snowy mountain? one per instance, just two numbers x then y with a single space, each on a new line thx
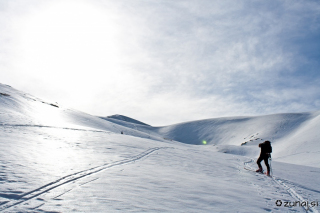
294 136
115 118
55 159
18 108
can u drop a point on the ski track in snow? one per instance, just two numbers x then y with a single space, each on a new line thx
296 196
73 177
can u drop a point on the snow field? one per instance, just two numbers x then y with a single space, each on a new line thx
107 173
54 159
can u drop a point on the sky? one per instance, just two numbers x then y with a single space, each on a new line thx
164 62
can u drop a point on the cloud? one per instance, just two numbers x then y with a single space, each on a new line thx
250 51
172 61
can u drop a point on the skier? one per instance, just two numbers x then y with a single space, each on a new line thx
266 149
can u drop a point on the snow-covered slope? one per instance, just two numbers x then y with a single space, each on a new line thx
236 130
294 136
115 118
67 170
54 159
19 108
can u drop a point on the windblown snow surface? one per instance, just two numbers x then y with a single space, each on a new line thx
55 159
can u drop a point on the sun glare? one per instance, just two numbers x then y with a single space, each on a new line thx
69 42
49 116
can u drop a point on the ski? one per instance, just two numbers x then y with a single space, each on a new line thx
262 173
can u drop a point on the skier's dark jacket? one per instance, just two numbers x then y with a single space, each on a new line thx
266 148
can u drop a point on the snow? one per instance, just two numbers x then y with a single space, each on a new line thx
55 159
115 118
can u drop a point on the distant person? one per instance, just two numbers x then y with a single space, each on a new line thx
266 149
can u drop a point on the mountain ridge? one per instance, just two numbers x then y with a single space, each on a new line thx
291 134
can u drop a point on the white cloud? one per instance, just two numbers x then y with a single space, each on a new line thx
166 61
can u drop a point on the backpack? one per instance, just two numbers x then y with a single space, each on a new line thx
268 148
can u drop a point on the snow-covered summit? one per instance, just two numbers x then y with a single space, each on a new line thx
294 136
112 118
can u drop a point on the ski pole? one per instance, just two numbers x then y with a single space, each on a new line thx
270 159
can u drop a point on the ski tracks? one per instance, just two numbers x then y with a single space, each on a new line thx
282 182
73 177
294 194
